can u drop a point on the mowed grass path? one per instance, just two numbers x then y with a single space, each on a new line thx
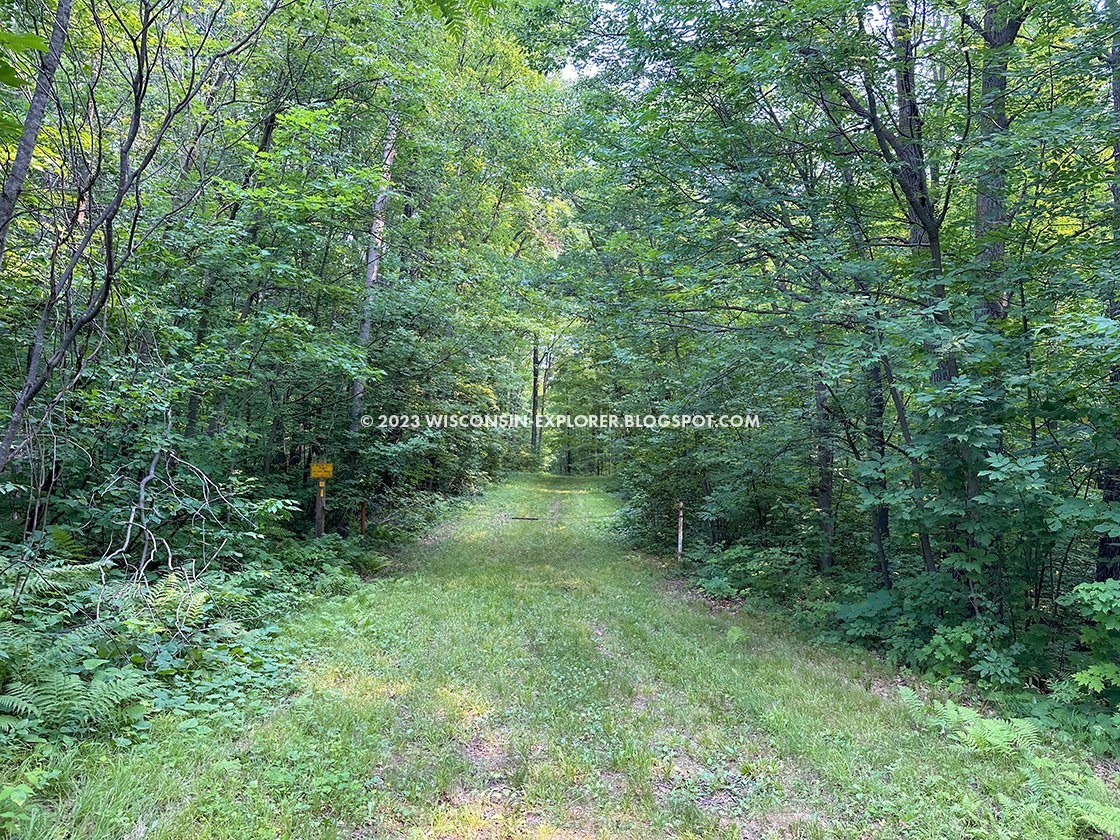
534 679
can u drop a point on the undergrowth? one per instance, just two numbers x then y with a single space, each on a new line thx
88 650
1050 778
917 626
531 677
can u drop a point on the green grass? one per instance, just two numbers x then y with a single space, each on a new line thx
535 679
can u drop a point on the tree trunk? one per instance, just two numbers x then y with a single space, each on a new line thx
877 446
1000 28
533 444
29 137
825 458
374 253
1108 548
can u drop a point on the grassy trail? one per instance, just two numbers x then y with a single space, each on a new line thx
532 679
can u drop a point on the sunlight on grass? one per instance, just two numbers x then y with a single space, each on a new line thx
532 679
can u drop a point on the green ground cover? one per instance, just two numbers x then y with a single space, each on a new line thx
532 678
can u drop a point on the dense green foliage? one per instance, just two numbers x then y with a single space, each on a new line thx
245 233
241 238
892 234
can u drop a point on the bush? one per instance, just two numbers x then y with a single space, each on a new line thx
1098 670
784 575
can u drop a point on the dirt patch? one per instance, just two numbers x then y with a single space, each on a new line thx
731 606
440 533
886 688
489 803
780 824
720 801
1107 770
614 782
679 590
488 752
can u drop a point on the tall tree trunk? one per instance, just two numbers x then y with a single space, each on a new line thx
1108 549
1002 21
1000 28
533 431
825 458
29 137
877 446
374 252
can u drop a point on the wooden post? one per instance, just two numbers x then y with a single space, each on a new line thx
680 531
321 470
320 507
363 517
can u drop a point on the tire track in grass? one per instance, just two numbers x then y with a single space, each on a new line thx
532 678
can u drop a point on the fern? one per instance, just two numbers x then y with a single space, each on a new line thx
62 544
1026 733
1062 785
177 603
57 700
271 529
15 646
1100 815
19 699
982 734
112 689
914 704
63 580
335 580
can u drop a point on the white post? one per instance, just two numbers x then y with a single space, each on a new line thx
680 530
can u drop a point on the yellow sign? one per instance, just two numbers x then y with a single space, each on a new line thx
322 470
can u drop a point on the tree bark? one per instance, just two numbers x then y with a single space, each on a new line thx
374 252
1000 28
533 444
1108 548
29 137
825 458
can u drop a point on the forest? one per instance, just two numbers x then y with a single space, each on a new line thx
242 237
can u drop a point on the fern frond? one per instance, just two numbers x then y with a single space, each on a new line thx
165 590
19 699
63 545
116 688
914 704
1099 815
1026 733
9 723
64 580
172 599
56 694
